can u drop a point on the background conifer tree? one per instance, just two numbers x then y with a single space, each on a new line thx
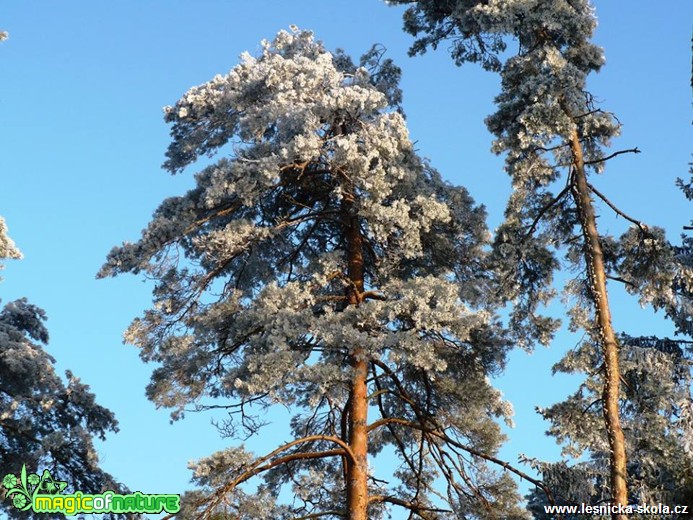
44 423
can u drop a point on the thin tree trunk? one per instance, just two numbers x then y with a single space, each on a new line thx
594 259
357 471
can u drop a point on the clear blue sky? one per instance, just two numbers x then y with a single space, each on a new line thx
83 138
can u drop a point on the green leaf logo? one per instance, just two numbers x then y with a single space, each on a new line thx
21 490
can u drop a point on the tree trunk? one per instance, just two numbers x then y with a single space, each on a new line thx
594 260
357 471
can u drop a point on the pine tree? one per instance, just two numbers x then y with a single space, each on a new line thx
657 406
44 423
321 265
546 124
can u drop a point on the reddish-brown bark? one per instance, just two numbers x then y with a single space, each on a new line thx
594 260
357 469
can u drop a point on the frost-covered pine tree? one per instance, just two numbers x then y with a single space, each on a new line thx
320 265
657 408
44 423
554 136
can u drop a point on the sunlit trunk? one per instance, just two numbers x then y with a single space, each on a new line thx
594 260
357 471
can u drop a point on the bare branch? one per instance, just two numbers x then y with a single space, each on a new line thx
318 515
549 149
595 111
222 212
543 211
596 401
373 295
594 190
468 449
400 444
619 279
604 159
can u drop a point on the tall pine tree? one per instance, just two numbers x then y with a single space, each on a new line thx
321 265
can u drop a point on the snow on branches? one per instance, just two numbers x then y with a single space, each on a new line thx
554 136
321 264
